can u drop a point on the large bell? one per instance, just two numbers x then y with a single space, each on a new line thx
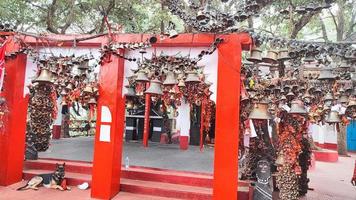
170 79
333 117
352 103
92 101
283 55
271 57
297 107
192 77
255 55
141 76
88 89
201 15
84 65
155 88
325 74
44 77
260 111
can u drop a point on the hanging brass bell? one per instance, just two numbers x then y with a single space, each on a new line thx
88 89
64 92
181 83
328 97
326 74
155 87
84 64
201 15
255 55
92 101
170 79
309 59
44 77
307 96
352 103
260 111
141 76
343 99
333 117
70 86
297 107
244 95
271 57
130 91
283 55
192 77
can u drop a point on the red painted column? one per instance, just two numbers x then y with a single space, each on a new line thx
12 140
146 126
227 119
109 131
201 125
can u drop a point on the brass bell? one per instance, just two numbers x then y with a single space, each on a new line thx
352 103
306 96
297 107
155 87
283 55
141 76
64 92
70 86
271 57
88 89
181 83
290 95
192 77
255 55
325 74
343 99
129 105
328 97
333 117
130 91
84 65
244 95
201 15
44 77
170 79
260 111
92 101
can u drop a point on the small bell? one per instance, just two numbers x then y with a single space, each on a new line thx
44 77
155 87
181 83
141 76
92 101
170 79
260 111
64 92
297 107
192 77
88 89
84 65
333 117
290 95
271 57
309 59
328 97
130 91
255 55
343 99
70 86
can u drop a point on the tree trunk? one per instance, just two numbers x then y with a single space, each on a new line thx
341 140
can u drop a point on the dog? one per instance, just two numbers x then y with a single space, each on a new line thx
52 180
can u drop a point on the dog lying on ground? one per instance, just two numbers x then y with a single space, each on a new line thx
52 180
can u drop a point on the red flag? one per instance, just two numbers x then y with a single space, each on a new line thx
2 64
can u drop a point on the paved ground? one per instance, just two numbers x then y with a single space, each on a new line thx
156 155
330 181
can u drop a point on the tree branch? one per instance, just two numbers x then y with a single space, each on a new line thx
50 16
323 29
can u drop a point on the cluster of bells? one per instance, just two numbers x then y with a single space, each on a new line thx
58 72
7 27
167 75
310 50
309 8
212 20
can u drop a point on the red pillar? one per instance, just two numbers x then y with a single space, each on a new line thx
227 119
146 127
202 125
12 140
108 150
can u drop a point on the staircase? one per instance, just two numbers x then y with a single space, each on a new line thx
140 180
